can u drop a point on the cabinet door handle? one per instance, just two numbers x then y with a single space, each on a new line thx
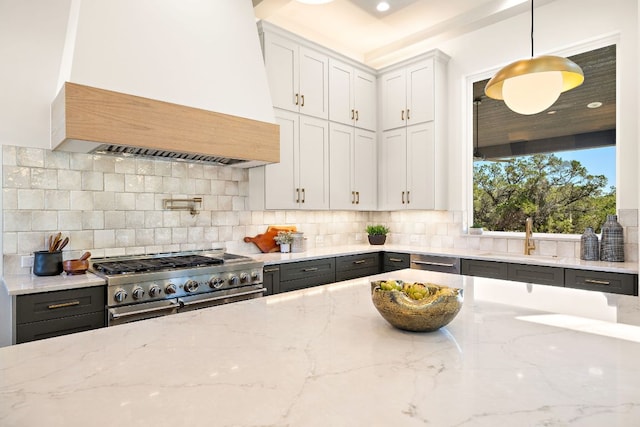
402 115
63 305
395 260
408 118
360 261
357 116
353 197
297 195
353 112
597 282
304 196
297 99
357 197
302 96
408 200
270 270
306 270
403 197
435 264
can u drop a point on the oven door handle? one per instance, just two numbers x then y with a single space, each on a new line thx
115 315
232 295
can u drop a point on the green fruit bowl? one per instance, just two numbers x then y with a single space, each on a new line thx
436 309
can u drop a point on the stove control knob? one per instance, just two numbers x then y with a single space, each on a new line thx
244 277
233 280
216 282
120 295
138 293
154 291
191 286
170 289
255 276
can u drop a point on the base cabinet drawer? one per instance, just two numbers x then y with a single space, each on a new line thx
392 261
539 274
55 327
435 263
353 266
617 283
304 274
57 304
490 269
271 279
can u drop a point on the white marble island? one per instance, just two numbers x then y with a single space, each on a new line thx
515 355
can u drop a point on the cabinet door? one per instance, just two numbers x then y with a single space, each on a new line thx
341 192
365 170
365 100
420 92
281 179
393 164
420 166
394 99
314 163
341 107
281 63
314 83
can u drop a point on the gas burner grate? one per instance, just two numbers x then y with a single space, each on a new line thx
155 264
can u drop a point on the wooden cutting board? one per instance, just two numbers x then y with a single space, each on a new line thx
265 241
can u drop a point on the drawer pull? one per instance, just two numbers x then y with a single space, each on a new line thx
63 305
436 264
310 269
360 261
597 282
271 270
395 260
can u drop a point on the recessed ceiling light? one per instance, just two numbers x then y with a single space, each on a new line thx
594 104
383 6
315 1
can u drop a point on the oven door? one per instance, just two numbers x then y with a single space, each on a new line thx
141 311
210 299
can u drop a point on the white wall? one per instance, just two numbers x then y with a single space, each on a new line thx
561 27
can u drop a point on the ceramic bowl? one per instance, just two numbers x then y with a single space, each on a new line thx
75 266
428 314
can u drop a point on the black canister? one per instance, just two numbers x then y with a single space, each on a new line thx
47 263
612 242
589 246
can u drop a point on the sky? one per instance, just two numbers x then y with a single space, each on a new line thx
598 161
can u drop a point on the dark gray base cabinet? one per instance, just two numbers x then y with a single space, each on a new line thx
392 261
354 266
490 269
50 314
271 279
616 283
304 274
442 264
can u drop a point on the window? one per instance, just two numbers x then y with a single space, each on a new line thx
557 166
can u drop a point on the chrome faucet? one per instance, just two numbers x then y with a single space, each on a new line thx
529 246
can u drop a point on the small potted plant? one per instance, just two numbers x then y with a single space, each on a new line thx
377 234
475 229
284 239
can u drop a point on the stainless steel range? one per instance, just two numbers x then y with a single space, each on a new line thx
146 286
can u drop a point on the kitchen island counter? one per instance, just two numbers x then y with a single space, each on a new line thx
516 354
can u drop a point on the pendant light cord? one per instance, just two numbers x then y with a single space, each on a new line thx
532 28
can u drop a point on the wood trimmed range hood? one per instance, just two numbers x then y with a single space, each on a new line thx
164 79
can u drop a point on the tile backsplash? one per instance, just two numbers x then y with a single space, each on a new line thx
114 206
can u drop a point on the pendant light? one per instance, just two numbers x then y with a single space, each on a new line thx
530 86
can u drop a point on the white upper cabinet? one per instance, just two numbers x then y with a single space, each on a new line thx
407 95
352 168
352 95
298 76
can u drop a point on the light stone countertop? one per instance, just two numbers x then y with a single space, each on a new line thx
19 284
516 354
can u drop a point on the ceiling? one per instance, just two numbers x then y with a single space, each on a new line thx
355 29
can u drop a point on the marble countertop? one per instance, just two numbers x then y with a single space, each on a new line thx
516 354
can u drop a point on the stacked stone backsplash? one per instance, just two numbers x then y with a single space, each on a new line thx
114 206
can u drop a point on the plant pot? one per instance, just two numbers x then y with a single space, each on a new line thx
475 230
377 239
285 247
